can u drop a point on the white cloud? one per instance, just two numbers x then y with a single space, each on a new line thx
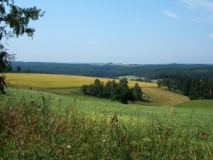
170 14
211 35
91 42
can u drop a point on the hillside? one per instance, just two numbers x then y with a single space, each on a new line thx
162 97
70 85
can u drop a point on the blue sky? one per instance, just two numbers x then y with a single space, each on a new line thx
119 31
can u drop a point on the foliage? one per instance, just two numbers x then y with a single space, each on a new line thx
137 93
18 69
16 19
194 88
2 84
115 91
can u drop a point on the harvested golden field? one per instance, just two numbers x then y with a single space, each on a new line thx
58 81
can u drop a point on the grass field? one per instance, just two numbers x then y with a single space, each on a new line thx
131 113
198 104
162 97
51 126
91 105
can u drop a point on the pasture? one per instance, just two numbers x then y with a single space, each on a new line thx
96 107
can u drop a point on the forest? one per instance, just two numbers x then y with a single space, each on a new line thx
192 87
110 70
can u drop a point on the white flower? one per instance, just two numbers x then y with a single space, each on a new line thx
68 146
104 141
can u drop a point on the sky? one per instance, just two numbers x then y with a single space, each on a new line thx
118 31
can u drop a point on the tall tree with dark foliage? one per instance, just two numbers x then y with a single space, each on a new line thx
14 22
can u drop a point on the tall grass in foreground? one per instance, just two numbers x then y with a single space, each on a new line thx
32 130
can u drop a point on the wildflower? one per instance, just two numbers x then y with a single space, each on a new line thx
68 146
104 141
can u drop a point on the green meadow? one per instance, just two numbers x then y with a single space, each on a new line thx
52 126
66 124
198 104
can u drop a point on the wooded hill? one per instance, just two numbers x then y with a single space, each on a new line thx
110 70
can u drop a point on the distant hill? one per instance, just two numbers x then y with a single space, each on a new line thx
111 70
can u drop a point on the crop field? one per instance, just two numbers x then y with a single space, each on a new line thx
51 126
70 85
58 81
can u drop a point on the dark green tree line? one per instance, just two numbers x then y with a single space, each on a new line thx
148 72
115 91
194 88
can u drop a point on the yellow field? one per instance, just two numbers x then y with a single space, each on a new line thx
58 81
